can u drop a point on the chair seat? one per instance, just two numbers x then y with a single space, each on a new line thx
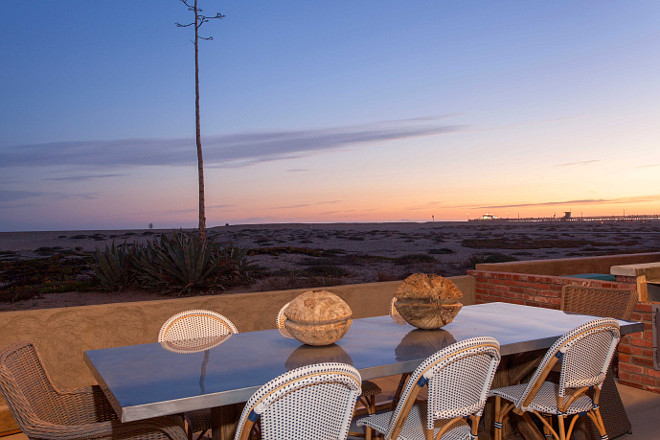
199 420
412 429
370 389
545 400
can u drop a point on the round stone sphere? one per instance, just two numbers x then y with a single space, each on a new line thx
318 317
428 301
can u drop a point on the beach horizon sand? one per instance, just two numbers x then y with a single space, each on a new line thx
352 252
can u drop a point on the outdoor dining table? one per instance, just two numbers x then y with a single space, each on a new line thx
150 380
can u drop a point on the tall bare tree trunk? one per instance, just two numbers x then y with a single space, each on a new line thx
198 137
200 19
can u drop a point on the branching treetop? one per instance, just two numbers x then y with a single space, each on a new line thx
200 19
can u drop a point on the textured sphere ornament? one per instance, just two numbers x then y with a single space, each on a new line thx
318 317
428 301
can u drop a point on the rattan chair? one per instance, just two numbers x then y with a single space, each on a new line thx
613 303
311 402
369 389
458 379
598 301
585 354
43 412
190 328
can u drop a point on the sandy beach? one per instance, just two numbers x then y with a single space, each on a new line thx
352 252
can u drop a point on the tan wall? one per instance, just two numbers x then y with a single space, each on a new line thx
569 266
63 334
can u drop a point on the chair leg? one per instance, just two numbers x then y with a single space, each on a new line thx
546 426
371 410
500 412
370 405
595 417
561 428
200 436
399 390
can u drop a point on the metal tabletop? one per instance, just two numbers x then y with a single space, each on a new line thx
148 380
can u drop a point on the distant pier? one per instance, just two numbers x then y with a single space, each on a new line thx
568 218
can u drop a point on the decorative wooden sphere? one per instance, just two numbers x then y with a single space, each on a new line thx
428 301
318 317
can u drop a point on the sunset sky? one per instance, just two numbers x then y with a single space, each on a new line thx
327 111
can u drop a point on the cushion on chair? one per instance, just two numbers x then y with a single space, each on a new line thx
412 429
370 389
546 399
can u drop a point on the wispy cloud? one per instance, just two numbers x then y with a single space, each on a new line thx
634 199
14 196
582 162
185 210
83 178
305 205
9 198
653 165
232 150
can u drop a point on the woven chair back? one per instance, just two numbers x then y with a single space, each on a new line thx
26 387
315 401
194 324
596 301
458 378
585 353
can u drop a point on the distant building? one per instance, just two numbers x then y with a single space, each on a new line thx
488 217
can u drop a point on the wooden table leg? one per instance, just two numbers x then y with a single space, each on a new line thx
216 423
224 420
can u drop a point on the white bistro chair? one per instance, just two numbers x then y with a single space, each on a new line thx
311 402
194 331
585 354
458 378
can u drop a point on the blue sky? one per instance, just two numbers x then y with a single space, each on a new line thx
327 111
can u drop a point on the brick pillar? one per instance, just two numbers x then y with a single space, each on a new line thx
636 354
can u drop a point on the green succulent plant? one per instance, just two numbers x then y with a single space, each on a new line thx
178 262
113 266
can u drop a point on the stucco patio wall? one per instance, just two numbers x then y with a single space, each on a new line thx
569 266
63 334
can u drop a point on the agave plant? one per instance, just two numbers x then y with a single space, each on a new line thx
178 262
113 266
234 266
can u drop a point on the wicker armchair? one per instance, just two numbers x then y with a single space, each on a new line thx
585 354
311 402
369 389
598 301
458 379
190 328
613 303
46 413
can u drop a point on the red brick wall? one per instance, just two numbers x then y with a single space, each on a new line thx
636 354
635 351
529 290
